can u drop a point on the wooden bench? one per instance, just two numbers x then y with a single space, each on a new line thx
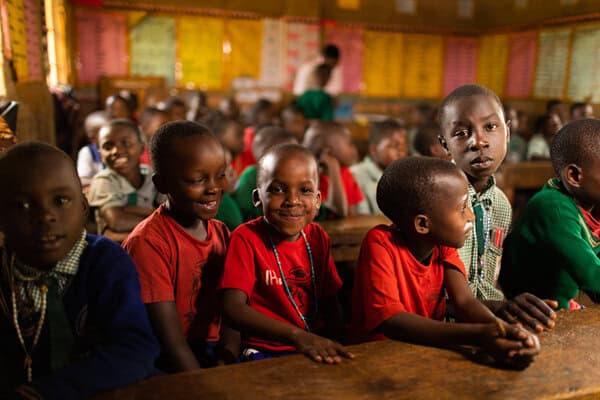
567 368
347 234
531 175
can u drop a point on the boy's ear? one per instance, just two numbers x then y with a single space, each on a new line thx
86 206
573 175
256 198
318 200
508 130
422 224
159 183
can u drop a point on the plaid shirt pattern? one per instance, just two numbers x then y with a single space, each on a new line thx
500 220
28 279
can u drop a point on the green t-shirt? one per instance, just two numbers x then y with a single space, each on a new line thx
551 253
243 194
316 104
229 212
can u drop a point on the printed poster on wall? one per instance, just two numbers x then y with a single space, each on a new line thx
33 34
551 71
521 64
350 43
245 39
460 63
302 44
423 66
382 64
17 36
584 77
205 72
271 64
101 45
492 62
152 44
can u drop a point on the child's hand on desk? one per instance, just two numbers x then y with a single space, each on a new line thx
510 344
320 349
530 311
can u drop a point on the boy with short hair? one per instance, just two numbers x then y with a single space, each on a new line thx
280 283
427 142
179 250
72 323
331 144
123 193
294 121
405 270
387 143
554 250
151 118
474 131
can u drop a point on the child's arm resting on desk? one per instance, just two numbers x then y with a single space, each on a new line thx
127 350
246 319
527 309
124 219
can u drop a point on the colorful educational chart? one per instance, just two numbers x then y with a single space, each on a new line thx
423 66
271 59
33 34
492 61
18 38
200 52
553 53
584 79
348 4
152 44
302 44
245 39
101 45
350 43
460 63
382 63
521 64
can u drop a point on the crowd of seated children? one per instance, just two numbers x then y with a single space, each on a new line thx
554 250
229 132
279 282
421 114
198 106
331 144
263 114
581 110
180 249
264 139
294 121
117 107
122 194
89 160
427 142
176 108
475 132
151 118
517 146
406 270
72 323
316 103
387 143
538 147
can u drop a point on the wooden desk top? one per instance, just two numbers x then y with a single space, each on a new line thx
567 368
524 175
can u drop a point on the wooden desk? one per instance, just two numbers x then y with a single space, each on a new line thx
524 175
567 368
347 234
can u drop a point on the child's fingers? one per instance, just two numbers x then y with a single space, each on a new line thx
524 312
314 355
552 304
341 350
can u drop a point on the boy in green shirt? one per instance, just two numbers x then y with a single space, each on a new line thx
553 251
317 103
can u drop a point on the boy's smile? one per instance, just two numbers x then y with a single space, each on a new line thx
120 149
476 135
289 193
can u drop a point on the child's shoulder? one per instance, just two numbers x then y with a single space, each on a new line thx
103 252
553 196
383 233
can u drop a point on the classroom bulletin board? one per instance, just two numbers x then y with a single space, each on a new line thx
535 64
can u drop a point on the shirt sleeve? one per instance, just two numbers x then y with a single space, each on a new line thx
151 257
380 297
451 259
105 193
239 271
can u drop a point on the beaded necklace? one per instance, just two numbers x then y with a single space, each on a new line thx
10 267
285 284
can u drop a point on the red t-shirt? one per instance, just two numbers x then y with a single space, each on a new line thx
175 266
251 266
246 158
591 222
145 157
353 193
389 280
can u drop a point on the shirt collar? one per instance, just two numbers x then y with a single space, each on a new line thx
487 193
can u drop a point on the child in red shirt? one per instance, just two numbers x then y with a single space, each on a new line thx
280 283
179 250
332 144
406 270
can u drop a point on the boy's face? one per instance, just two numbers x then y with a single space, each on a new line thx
233 138
451 219
120 149
119 109
552 126
342 148
295 123
391 148
476 135
196 177
178 113
289 193
43 211
153 124
588 192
